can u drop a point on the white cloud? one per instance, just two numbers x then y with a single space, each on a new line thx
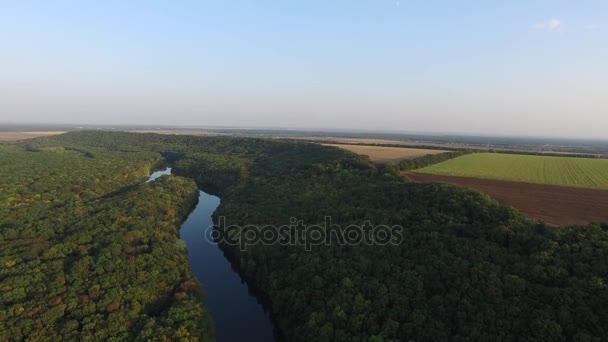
551 25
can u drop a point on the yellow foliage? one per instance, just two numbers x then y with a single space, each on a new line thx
19 310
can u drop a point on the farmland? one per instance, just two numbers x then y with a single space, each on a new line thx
80 224
384 154
14 136
564 171
554 205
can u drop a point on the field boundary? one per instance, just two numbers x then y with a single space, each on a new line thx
549 170
448 147
431 159
555 205
387 154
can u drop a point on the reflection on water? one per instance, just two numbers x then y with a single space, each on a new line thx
236 313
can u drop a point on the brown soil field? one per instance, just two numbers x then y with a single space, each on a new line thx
384 154
14 136
555 205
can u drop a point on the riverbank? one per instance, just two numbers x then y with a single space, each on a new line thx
233 305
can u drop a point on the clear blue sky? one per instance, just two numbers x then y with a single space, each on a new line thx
493 67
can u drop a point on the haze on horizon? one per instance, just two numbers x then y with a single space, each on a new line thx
509 67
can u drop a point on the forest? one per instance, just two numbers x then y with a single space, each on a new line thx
90 250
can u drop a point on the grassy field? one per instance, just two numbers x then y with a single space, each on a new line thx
384 154
565 171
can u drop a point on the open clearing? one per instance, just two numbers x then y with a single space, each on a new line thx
555 205
384 154
564 171
14 136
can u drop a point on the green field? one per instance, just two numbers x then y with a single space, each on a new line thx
567 171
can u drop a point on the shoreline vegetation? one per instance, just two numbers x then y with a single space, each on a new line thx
468 268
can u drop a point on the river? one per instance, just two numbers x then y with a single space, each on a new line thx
236 312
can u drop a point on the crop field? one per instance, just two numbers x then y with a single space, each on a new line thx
555 205
564 171
14 136
383 154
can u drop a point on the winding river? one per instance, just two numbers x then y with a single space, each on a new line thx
236 312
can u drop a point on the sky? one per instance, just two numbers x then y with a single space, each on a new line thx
529 67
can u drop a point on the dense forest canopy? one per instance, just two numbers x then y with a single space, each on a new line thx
89 249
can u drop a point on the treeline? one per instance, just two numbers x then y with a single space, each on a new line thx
467 268
429 159
382 144
554 154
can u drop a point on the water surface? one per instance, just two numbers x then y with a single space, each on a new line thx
236 312
159 173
